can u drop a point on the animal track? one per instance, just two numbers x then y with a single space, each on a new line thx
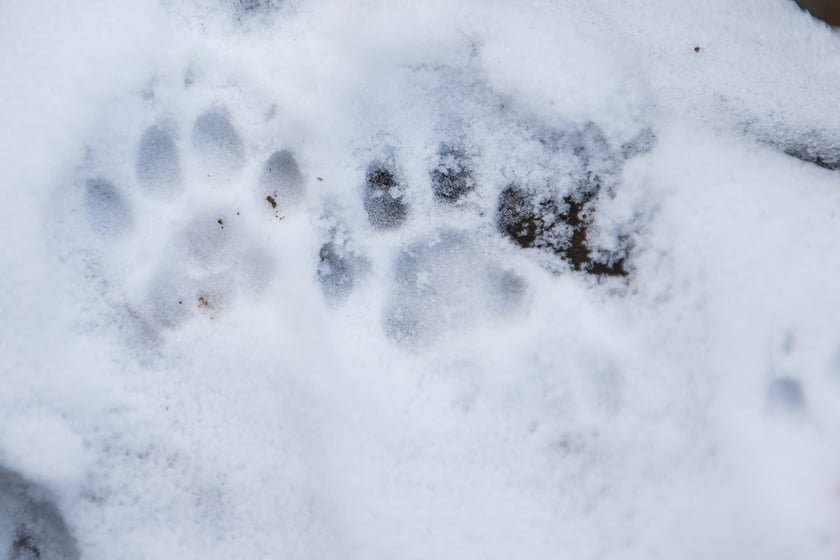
446 280
444 277
207 254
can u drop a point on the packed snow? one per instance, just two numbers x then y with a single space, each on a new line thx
446 279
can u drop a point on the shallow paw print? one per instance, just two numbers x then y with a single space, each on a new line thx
164 245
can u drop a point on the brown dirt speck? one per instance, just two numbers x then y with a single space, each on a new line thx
204 301
271 201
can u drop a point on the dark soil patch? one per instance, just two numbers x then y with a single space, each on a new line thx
560 227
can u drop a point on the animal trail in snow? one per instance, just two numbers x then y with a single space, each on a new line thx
216 189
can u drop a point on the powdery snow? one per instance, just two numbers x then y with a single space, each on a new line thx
361 279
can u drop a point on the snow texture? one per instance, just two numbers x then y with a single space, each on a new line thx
446 279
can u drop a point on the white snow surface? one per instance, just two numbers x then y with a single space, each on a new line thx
181 379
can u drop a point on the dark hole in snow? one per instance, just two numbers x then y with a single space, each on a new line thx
560 227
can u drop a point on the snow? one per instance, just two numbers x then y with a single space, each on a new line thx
261 297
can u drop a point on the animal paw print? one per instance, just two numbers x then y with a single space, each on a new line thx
177 230
450 277
165 221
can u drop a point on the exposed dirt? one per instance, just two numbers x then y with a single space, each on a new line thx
559 227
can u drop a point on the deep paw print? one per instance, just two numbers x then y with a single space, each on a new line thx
444 281
450 277
171 234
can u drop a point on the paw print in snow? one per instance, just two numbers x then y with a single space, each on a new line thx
171 228
453 270
440 224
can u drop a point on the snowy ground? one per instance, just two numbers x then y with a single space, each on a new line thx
445 279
